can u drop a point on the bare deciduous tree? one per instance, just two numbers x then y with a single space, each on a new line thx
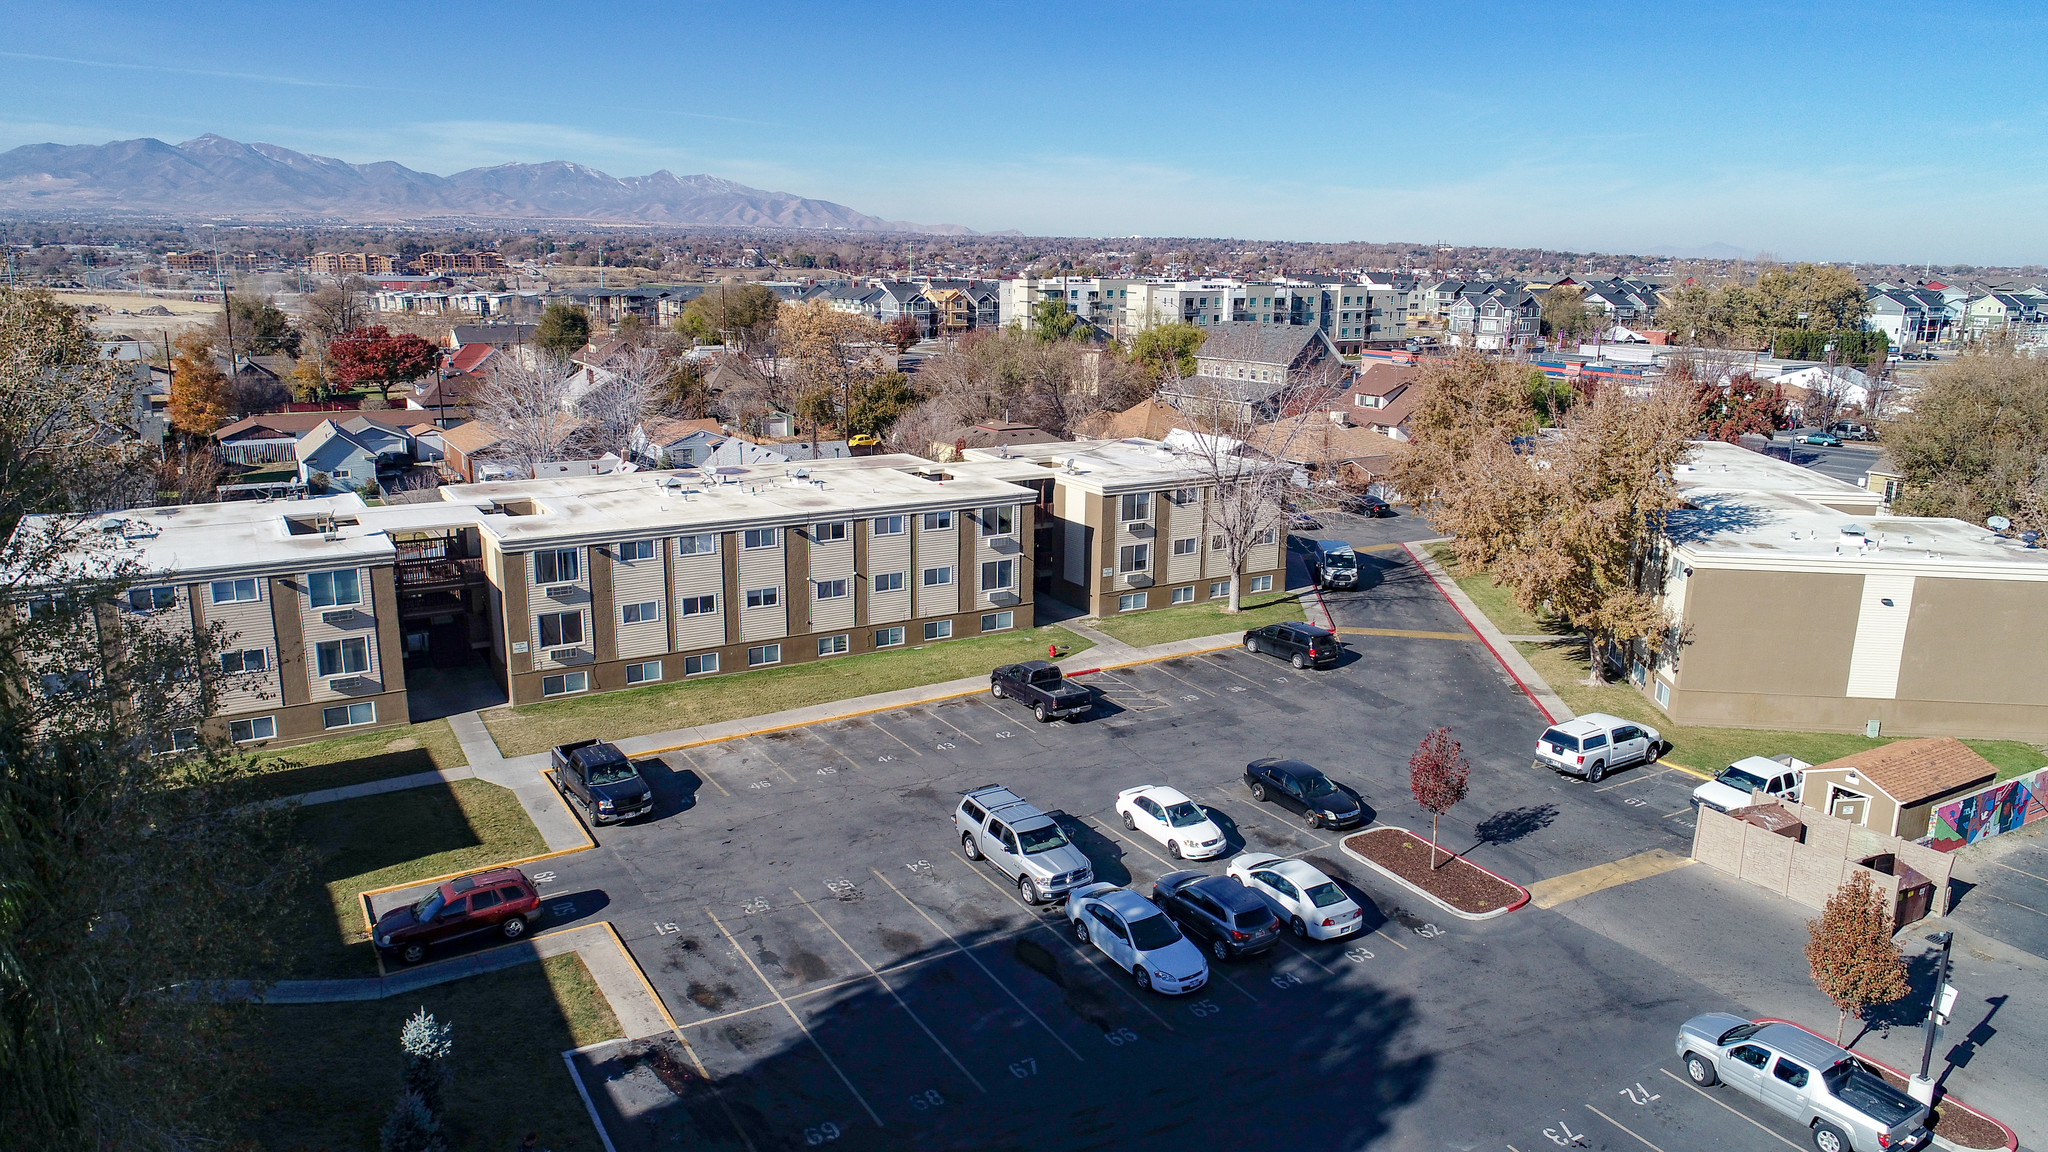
531 407
619 400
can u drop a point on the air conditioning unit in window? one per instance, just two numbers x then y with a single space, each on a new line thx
1004 599
341 619
1138 579
562 592
345 684
570 655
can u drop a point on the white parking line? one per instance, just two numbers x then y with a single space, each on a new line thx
993 978
1724 1104
1634 780
1623 1127
762 748
893 994
801 1026
891 735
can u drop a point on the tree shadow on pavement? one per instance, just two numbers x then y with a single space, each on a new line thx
1512 824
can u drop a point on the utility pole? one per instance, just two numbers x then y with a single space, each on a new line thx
1921 1087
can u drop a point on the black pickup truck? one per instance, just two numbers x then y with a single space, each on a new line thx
1040 685
603 779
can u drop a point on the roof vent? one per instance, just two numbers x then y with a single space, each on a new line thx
1852 529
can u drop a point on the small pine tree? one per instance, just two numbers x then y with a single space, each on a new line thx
1436 775
410 1127
1851 951
427 1044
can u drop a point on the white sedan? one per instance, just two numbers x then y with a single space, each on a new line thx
1298 892
1137 937
1168 816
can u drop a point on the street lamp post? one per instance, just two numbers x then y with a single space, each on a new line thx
1921 1087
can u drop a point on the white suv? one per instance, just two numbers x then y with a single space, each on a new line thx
1595 744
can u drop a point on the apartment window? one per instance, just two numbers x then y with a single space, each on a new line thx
1267 537
888 637
1135 506
1130 601
565 684
999 521
636 550
332 588
831 589
938 630
998 574
702 544
245 660
758 538
233 591
886 526
764 654
937 521
1134 558
763 597
1186 545
342 657
889 581
933 577
345 715
824 533
259 728
832 645
1216 542
698 665
559 628
998 621
1182 497
1219 589
152 599
1259 584
645 612
644 673
556 565
1663 694
1183 595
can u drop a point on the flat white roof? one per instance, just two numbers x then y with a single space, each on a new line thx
1747 510
1128 465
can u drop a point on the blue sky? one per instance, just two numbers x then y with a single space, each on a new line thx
1824 131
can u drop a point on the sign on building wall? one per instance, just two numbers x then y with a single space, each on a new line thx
1999 808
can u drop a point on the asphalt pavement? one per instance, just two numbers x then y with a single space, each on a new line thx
1850 463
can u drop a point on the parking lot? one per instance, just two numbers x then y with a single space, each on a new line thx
840 974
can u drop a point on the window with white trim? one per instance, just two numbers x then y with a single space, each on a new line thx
833 645
630 550
347 715
701 544
938 521
886 526
998 574
758 538
764 654
698 665
1182 497
1663 694
826 533
1183 595
255 728
938 629
646 672
998 621
343 657
1186 545
1135 506
564 684
698 605
888 637
333 589
831 589
1266 537
763 597
644 612
1259 584
234 591
557 565
933 577
1134 558
999 521
1216 542
245 660
561 628
1130 601
148 600
889 581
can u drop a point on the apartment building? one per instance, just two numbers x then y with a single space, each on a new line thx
354 264
1126 527
1105 303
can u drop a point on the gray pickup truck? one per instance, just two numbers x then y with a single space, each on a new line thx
602 779
1844 1104
996 825
1043 687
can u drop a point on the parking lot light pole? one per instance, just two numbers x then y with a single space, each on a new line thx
1921 1087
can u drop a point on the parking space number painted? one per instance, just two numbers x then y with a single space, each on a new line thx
1119 1037
1203 1009
821 1134
1025 1069
926 1100
1639 1095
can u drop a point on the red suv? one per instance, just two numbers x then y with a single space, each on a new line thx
501 900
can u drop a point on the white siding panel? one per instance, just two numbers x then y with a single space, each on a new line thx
937 549
572 596
832 560
889 554
635 582
246 624
763 568
353 620
1880 637
698 574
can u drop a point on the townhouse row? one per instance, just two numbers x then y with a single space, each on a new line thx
337 617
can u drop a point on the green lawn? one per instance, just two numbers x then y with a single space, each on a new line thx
394 838
1496 602
355 759
1141 629
332 1069
533 728
1711 749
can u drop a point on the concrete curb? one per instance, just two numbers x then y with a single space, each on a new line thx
1534 686
1344 846
2012 1139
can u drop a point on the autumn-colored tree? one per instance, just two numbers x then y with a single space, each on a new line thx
830 353
739 315
902 332
199 392
1976 437
1743 406
375 358
1436 775
1851 952
309 380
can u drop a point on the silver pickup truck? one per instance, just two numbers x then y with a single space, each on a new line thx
1847 1106
996 825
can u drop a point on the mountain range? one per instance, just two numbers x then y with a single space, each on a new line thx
213 177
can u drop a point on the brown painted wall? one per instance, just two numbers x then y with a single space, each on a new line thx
1977 640
390 635
291 642
604 613
796 583
1769 633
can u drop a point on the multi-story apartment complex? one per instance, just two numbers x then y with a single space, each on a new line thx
459 262
353 264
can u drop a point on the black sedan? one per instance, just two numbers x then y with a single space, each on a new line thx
1368 506
1218 913
1303 789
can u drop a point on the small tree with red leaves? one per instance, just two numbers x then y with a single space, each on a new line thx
373 357
1850 949
1436 774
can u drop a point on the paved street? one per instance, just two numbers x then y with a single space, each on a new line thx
1850 463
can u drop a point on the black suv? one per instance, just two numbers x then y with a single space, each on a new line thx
1304 790
1300 644
1218 913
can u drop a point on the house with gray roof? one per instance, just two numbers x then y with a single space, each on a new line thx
1247 350
349 453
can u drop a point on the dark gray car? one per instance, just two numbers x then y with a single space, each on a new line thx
1217 913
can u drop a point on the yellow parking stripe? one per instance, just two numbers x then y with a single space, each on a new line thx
1586 881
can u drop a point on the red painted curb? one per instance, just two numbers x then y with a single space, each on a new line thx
1483 868
2012 1139
1481 636
1082 672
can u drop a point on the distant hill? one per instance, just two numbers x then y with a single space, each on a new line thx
215 176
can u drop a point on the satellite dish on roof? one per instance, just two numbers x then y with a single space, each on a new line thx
1998 523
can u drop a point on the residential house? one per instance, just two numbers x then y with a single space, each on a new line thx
465 446
1996 312
350 453
1327 449
1904 315
1149 419
1895 788
665 442
492 335
1264 352
1383 396
901 300
272 436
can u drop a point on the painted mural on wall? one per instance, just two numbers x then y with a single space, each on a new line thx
1999 808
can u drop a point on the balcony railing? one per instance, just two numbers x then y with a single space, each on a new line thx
431 573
